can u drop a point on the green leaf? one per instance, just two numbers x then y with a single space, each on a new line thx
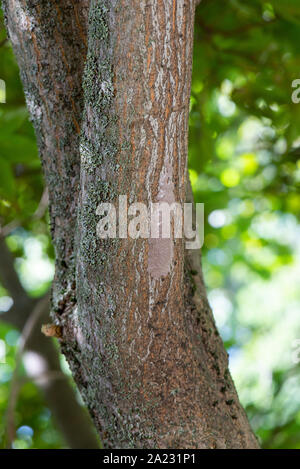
7 182
288 9
10 121
17 149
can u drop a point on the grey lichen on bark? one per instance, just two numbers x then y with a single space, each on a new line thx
138 332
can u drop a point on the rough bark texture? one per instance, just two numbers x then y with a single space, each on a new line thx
137 328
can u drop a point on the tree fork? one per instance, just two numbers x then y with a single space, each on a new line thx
137 328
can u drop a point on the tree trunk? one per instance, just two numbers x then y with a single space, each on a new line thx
137 328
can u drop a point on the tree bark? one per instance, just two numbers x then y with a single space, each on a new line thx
137 328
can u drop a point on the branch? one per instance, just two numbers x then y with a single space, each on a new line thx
23 305
8 274
29 315
42 207
37 215
26 333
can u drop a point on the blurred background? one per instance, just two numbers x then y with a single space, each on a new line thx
244 161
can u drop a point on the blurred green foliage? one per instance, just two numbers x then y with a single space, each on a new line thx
245 167
244 159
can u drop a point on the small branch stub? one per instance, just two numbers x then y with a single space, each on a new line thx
51 330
